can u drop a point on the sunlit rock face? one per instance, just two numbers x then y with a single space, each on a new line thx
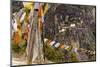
71 24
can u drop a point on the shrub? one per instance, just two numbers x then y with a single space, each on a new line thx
19 49
54 55
57 55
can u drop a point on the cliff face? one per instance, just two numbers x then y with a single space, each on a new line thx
71 24
69 30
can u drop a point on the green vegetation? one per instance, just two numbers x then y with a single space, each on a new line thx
74 57
54 55
19 49
58 55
